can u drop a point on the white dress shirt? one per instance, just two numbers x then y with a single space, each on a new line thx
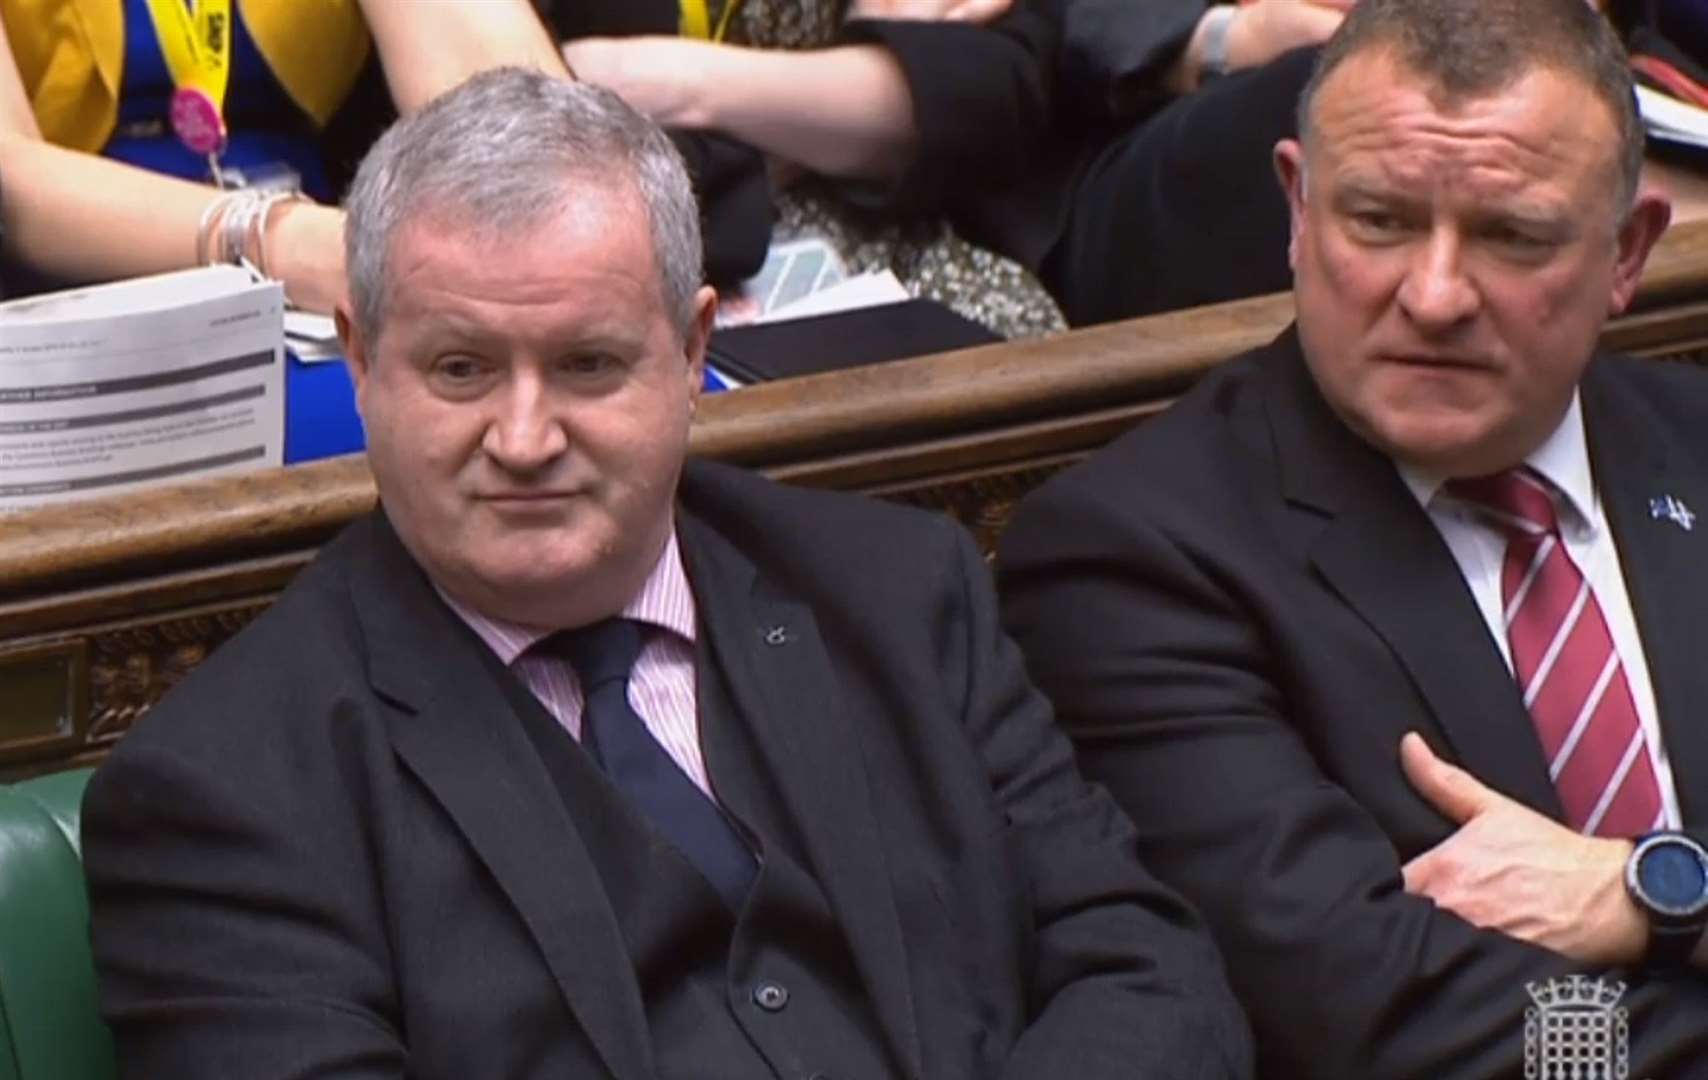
1480 550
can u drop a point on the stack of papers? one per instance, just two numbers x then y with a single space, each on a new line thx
140 382
1672 120
801 278
312 338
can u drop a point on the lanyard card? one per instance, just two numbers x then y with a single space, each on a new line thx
196 44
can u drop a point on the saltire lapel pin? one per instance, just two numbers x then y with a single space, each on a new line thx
1672 508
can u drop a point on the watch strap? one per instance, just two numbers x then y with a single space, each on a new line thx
1672 941
1670 948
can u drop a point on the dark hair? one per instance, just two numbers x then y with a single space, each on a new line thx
1476 48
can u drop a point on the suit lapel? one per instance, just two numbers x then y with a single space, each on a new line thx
774 662
1382 555
1662 563
463 741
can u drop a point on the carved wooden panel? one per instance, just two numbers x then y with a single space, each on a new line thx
982 503
132 667
92 684
43 708
105 606
115 674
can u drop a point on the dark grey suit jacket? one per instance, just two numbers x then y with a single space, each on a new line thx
332 851
1239 609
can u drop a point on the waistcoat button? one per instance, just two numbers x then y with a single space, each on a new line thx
772 997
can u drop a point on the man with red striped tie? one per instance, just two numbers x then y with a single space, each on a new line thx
1385 635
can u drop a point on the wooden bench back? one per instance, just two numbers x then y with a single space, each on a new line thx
105 604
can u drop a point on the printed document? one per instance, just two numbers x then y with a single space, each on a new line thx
141 382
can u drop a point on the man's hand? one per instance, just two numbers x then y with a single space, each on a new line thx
979 11
1510 869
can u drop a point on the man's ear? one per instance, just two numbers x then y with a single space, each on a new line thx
356 356
1644 225
1290 171
698 336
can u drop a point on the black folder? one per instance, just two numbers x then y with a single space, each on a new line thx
843 339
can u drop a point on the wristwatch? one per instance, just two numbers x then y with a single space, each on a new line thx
1216 23
1667 877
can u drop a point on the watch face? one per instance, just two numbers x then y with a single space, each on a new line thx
1673 879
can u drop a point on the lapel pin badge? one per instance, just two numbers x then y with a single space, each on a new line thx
776 635
1672 509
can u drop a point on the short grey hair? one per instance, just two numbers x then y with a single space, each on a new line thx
1475 48
502 153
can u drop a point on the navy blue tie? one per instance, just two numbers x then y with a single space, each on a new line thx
617 738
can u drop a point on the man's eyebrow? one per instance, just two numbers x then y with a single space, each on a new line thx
1363 189
1358 177
600 326
1526 209
432 321
614 339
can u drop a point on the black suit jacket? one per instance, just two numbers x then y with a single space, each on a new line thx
332 851
1239 609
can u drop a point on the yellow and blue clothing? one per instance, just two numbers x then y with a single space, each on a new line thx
78 58
266 126
97 81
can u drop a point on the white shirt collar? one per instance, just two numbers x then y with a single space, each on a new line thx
1562 460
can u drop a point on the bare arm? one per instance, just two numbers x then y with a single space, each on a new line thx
428 48
843 111
1258 33
82 217
78 216
978 11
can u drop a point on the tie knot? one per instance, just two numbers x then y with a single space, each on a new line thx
599 653
1517 500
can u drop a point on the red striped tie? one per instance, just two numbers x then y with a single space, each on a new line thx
1565 662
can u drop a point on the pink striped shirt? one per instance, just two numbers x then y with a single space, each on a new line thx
661 686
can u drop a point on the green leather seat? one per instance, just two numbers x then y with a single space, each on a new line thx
50 1025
